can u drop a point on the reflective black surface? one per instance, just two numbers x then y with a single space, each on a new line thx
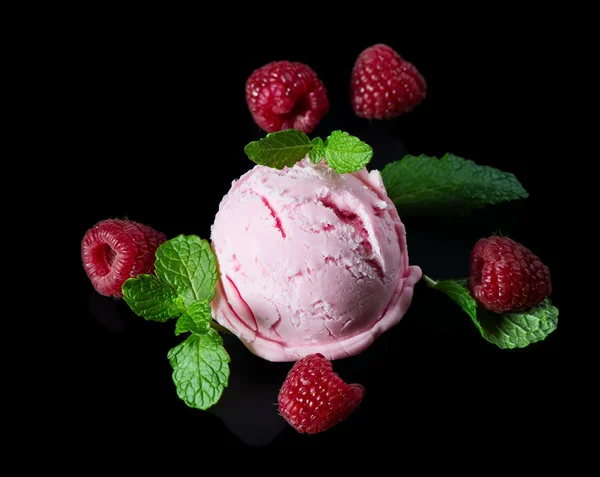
160 127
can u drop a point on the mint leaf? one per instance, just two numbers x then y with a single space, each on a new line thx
200 369
516 329
448 186
279 149
346 153
188 264
317 143
152 299
196 319
317 153
519 329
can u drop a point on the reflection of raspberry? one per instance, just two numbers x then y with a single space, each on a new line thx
384 85
114 250
313 398
284 95
505 276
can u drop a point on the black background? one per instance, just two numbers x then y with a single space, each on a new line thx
158 121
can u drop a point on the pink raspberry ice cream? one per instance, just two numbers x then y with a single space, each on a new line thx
310 261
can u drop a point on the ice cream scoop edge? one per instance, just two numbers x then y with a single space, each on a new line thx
275 352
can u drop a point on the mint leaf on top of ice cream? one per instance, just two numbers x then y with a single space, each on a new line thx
423 185
344 153
508 330
279 149
317 153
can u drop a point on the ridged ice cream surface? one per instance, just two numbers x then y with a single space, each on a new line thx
310 261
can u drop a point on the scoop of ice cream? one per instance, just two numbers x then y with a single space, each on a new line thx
310 261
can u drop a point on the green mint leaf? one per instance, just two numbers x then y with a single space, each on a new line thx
196 319
152 299
200 369
516 329
346 153
317 143
448 186
188 264
279 149
317 153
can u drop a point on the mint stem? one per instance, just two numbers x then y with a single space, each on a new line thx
217 327
429 281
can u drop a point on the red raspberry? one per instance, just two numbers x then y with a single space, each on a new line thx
313 398
283 95
384 85
114 250
506 276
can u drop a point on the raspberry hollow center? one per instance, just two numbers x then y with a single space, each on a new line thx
297 116
104 256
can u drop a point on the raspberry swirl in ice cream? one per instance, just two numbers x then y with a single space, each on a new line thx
310 261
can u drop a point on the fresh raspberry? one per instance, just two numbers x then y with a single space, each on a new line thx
114 250
384 85
283 95
313 398
506 276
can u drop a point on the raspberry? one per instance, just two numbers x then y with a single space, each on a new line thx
384 85
313 398
506 276
283 95
114 250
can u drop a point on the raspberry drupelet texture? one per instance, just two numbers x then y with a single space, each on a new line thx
505 276
285 95
313 398
384 85
114 250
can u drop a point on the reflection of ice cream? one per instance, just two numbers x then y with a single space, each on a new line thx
310 261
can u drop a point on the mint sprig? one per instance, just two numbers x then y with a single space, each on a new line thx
184 285
516 329
423 185
344 152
